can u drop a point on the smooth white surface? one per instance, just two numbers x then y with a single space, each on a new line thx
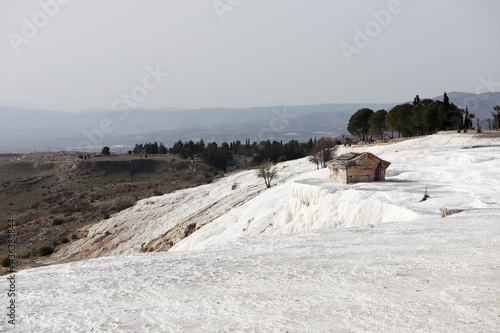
263 266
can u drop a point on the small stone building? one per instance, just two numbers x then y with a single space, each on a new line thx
354 168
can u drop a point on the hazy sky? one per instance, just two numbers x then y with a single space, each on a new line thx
83 54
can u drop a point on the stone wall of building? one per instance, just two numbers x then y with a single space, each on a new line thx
338 175
356 174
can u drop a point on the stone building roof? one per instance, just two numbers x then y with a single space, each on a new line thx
357 159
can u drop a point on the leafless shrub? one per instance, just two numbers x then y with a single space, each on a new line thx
323 152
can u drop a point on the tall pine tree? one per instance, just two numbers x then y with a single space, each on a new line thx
416 100
446 102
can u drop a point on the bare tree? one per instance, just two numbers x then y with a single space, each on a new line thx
314 158
323 152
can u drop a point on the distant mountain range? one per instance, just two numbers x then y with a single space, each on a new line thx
481 105
26 130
